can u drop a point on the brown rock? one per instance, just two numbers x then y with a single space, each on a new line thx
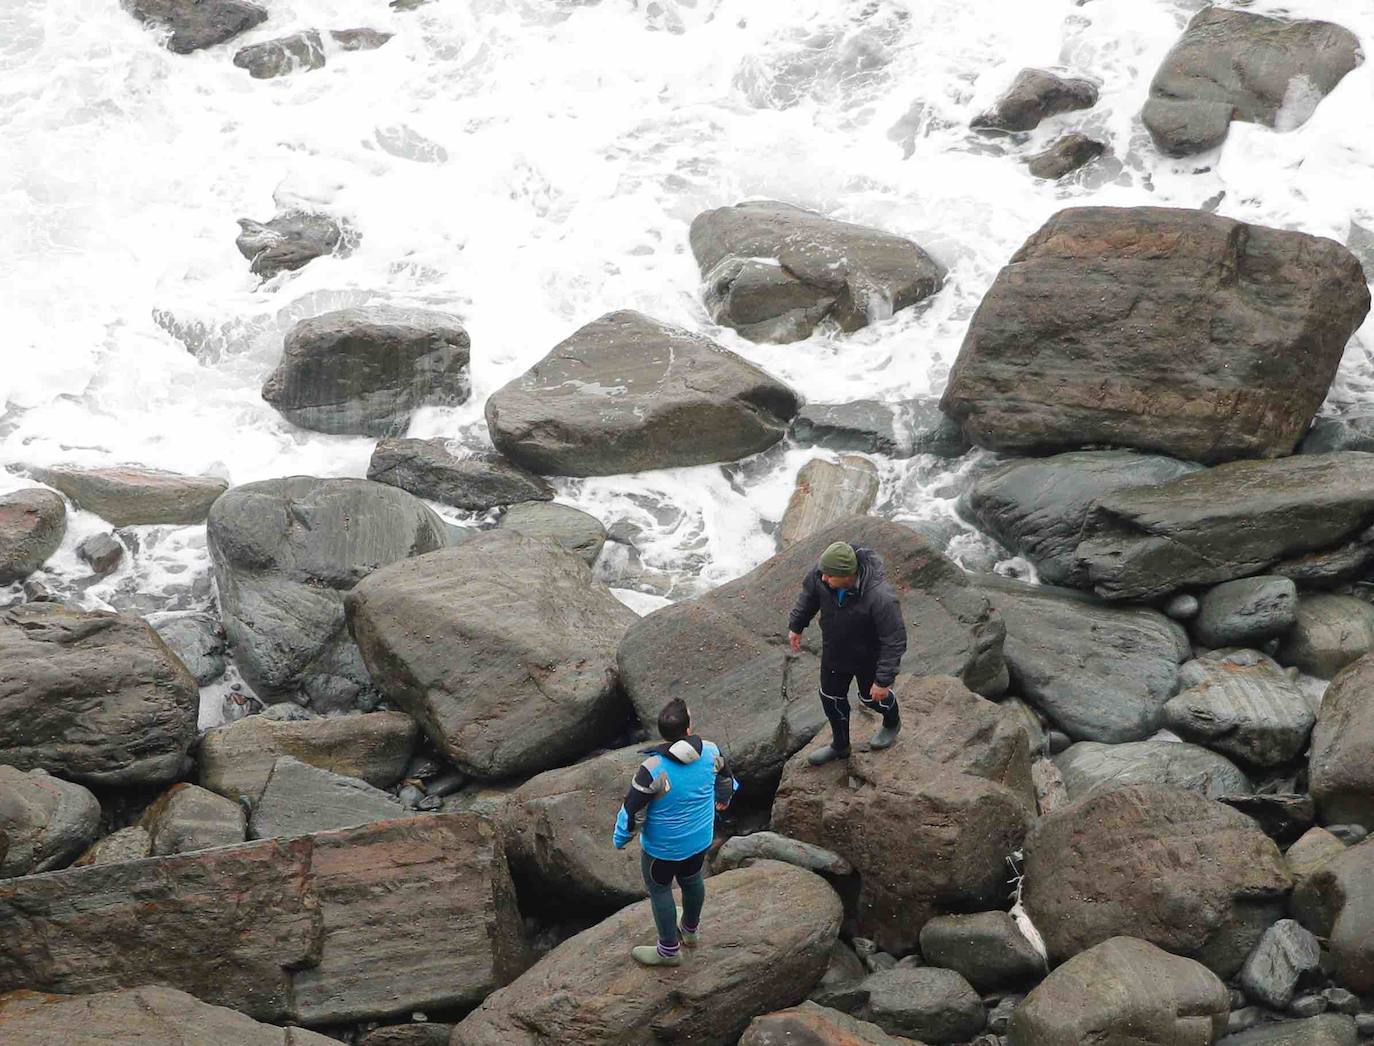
733 641
237 759
1336 901
1314 849
928 823
766 937
1170 867
416 1033
1339 766
127 844
147 1016
812 1025
1164 329
357 924
92 696
1068 153
186 818
33 522
128 495
45 820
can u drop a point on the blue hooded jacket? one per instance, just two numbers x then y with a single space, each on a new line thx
674 794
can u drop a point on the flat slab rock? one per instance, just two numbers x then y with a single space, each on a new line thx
128 495
1091 767
765 942
92 696
732 640
1235 65
1221 879
1167 330
1227 522
627 393
148 1016
300 799
428 469
774 272
309 930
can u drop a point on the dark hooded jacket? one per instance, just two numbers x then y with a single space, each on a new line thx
860 628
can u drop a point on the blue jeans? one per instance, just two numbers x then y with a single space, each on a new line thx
658 879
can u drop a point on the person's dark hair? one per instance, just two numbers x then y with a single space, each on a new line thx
673 721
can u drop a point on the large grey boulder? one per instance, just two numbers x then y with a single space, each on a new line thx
1331 631
1340 768
428 469
364 371
555 827
986 948
827 492
890 814
129 495
47 821
1234 65
147 1016
934 1005
300 799
303 51
1037 506
774 272
570 528
1283 956
812 1025
1246 612
897 430
732 641
237 759
93 696
1223 523
1242 704
285 552
194 24
33 522
1174 331
187 817
1187 874
1336 901
1328 1029
1036 95
517 675
1090 767
309 930
1100 673
287 242
626 393
1124 991
765 943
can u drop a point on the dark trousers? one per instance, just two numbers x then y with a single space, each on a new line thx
835 700
658 880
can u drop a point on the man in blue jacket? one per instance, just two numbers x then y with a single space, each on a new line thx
674 796
863 638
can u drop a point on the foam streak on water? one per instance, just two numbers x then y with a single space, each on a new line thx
531 164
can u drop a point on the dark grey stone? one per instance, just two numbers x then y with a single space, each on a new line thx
478 482
195 24
570 528
988 949
287 242
1307 1006
46 821
1342 1000
1089 766
1100 673
1246 612
1284 955
101 552
198 639
1182 607
626 393
1036 95
897 430
300 799
936 1006
1037 506
1283 816
1236 65
774 272
1156 328
740 850
303 51
33 522
1066 154
1347 432
1331 632
364 371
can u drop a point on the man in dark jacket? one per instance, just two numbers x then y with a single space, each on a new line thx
863 637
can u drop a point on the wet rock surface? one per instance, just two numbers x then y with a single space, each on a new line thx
196 24
1036 95
428 469
1339 767
33 522
1089 766
288 241
45 821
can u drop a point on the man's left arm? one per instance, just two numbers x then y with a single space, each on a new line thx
891 629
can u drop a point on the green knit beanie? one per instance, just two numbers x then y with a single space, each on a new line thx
839 560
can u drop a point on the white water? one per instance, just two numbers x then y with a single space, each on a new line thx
530 165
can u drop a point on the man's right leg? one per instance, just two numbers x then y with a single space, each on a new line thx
658 880
835 702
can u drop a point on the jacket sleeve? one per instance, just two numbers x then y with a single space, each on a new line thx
808 602
726 785
643 789
891 629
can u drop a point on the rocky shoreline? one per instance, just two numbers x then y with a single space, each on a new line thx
1133 799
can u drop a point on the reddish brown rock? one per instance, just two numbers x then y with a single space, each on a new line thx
767 932
1170 867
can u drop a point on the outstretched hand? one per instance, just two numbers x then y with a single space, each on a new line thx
794 641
